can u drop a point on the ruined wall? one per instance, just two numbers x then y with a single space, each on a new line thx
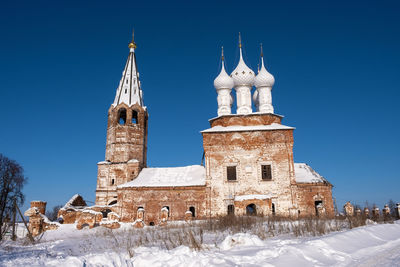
126 151
246 120
248 150
110 175
307 194
153 199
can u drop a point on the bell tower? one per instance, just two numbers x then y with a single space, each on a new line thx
126 146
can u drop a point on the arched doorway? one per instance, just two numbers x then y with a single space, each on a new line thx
251 210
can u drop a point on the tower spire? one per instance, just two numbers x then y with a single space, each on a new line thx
129 90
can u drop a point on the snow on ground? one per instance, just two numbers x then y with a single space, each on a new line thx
372 245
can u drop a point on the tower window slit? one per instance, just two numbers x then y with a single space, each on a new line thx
134 117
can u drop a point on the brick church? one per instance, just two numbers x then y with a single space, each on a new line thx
248 158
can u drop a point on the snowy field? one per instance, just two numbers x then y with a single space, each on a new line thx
371 245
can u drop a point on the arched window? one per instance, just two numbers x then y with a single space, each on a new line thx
134 117
193 211
231 210
122 116
251 209
105 212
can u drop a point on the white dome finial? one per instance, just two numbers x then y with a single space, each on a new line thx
264 78
263 82
243 78
223 80
223 84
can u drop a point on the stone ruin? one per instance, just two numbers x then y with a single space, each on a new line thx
90 218
74 211
71 210
38 222
375 213
139 222
366 212
348 209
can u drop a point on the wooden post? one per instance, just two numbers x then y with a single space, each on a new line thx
23 219
14 236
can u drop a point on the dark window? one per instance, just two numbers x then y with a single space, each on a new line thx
231 210
151 223
113 202
105 212
266 173
273 208
134 117
112 181
251 209
231 173
193 211
122 116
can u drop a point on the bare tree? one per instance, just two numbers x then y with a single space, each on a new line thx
392 207
12 180
52 214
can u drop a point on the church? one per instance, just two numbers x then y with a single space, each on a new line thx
248 166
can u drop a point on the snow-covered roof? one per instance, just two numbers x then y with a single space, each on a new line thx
249 197
239 128
194 175
305 174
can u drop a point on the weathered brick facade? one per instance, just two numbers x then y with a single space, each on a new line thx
126 150
248 151
249 167
178 200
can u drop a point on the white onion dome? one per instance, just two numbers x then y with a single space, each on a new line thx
223 80
242 75
264 78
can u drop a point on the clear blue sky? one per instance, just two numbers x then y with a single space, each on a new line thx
336 66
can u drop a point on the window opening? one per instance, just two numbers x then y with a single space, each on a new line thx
317 204
231 210
266 173
112 181
122 116
193 211
134 117
151 223
273 209
251 210
113 202
105 212
167 207
231 173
